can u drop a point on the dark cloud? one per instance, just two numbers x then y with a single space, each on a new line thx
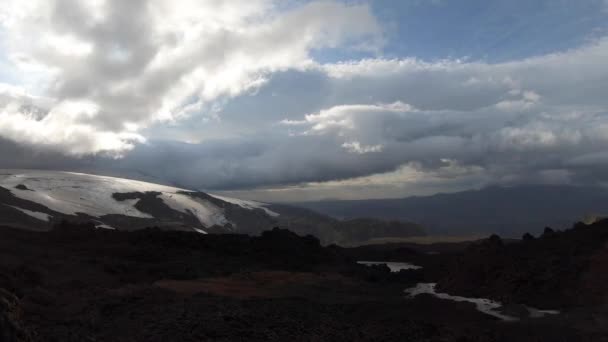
500 123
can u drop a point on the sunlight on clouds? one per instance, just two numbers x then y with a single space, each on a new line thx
68 45
405 175
347 119
356 147
59 128
408 179
141 62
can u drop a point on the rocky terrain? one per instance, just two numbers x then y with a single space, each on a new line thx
78 283
563 269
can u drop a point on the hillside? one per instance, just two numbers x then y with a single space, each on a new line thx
563 269
36 200
508 211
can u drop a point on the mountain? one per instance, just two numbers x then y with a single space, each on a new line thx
508 211
343 232
37 200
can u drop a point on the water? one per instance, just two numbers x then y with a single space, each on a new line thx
536 313
487 306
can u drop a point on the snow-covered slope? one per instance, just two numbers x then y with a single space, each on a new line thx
76 194
246 204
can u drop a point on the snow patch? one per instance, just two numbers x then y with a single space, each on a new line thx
71 193
393 266
35 214
104 226
206 212
247 204
536 313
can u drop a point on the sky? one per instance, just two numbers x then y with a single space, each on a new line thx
304 100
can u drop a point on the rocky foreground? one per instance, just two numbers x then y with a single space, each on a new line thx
76 283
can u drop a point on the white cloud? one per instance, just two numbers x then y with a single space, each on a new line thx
362 127
139 62
63 127
356 147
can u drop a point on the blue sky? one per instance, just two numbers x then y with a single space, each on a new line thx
493 31
496 30
299 100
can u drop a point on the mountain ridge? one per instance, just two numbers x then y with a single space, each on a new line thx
34 199
508 211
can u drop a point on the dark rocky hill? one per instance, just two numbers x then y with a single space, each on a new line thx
556 269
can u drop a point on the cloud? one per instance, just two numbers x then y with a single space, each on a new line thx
58 126
505 123
342 120
233 95
356 147
408 180
133 63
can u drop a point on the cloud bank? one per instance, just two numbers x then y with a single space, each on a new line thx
236 96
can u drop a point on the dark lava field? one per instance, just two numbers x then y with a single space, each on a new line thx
77 283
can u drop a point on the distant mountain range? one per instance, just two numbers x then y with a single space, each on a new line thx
37 200
508 211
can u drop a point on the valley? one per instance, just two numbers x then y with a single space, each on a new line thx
76 282
303 171
96 258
